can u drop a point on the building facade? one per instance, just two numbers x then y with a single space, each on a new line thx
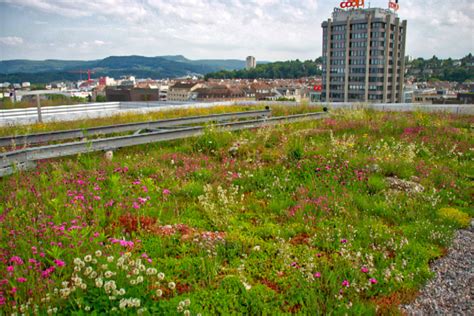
182 91
363 56
251 62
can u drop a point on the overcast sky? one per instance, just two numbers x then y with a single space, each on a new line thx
268 29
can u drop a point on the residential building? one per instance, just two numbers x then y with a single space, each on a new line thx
363 56
465 98
182 91
123 94
216 93
251 62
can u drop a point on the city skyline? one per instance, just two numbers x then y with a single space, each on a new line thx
209 29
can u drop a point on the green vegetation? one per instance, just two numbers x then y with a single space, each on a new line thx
443 69
51 100
460 218
297 218
281 69
151 116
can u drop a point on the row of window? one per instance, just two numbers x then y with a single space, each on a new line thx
360 53
362 26
359 26
338 62
359 35
355 79
341 70
360 97
357 87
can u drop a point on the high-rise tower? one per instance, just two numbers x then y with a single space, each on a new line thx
363 55
251 62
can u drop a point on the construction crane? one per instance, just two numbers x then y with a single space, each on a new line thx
88 72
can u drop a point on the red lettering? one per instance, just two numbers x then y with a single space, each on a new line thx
352 4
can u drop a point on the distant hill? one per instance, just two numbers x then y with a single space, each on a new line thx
278 70
115 66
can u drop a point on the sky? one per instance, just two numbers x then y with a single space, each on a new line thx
270 30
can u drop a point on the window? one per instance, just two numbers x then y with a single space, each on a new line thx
377 62
357 87
338 28
359 26
357 62
358 53
359 35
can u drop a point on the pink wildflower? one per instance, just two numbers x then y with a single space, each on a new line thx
59 263
13 291
17 260
10 268
364 270
166 192
317 275
46 273
343 241
21 280
142 200
373 281
345 283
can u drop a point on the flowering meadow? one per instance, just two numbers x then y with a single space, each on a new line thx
334 216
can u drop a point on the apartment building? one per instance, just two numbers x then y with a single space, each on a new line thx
182 91
363 56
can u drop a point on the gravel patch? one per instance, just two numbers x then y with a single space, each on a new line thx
451 291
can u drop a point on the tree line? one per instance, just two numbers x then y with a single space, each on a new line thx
278 70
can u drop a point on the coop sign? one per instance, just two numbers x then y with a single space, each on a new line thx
352 4
394 5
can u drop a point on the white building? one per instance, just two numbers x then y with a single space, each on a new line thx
251 62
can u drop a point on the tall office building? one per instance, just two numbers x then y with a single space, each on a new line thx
251 62
363 56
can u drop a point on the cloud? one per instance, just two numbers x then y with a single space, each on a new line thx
11 40
98 43
128 10
269 29
84 45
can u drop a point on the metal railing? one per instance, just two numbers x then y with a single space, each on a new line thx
32 139
25 158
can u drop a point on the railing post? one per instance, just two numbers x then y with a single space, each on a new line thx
38 108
